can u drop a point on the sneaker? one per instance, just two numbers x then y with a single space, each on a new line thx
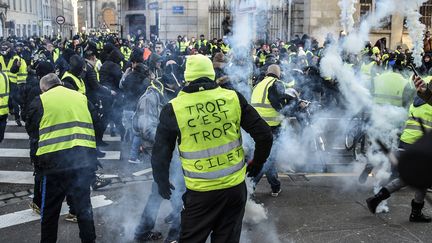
34 207
149 236
134 161
99 153
18 122
100 182
71 218
276 192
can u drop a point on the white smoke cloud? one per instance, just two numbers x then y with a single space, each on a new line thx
347 14
416 29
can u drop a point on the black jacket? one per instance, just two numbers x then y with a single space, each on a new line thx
134 85
168 132
74 158
27 93
110 72
93 88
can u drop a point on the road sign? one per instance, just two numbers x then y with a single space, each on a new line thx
153 6
178 9
60 20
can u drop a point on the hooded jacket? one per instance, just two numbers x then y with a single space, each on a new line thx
134 85
110 72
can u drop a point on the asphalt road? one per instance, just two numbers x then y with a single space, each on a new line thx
316 207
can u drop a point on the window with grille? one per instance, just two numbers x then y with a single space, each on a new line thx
426 13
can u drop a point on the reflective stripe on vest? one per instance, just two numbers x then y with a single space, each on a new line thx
4 94
210 139
78 82
262 104
64 127
413 130
388 88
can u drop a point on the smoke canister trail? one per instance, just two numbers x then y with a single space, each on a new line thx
347 14
415 28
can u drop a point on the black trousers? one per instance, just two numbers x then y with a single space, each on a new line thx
55 187
219 213
3 122
13 101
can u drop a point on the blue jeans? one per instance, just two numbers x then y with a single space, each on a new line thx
134 151
269 169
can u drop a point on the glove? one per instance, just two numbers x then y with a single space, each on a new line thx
165 190
253 169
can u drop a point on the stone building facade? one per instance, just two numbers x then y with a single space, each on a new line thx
25 18
283 19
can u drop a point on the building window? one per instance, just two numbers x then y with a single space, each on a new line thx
365 7
137 4
426 14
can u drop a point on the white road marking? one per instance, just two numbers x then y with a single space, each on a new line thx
330 174
16 177
22 135
26 177
13 123
107 176
25 153
142 172
28 215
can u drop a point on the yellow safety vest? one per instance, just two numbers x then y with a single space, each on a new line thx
261 103
182 46
388 88
56 54
126 51
202 43
22 72
210 146
4 94
413 131
96 68
366 69
78 82
5 68
64 126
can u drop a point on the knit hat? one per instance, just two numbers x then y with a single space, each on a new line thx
199 66
274 69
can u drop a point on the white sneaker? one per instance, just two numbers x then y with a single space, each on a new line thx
135 161
276 193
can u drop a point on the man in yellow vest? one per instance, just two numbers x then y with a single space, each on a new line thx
72 78
412 132
66 154
205 120
269 98
181 45
4 103
12 66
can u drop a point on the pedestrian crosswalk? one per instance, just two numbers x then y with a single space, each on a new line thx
15 155
25 216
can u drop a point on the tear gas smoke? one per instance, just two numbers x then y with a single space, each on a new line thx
347 14
415 28
254 213
356 40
